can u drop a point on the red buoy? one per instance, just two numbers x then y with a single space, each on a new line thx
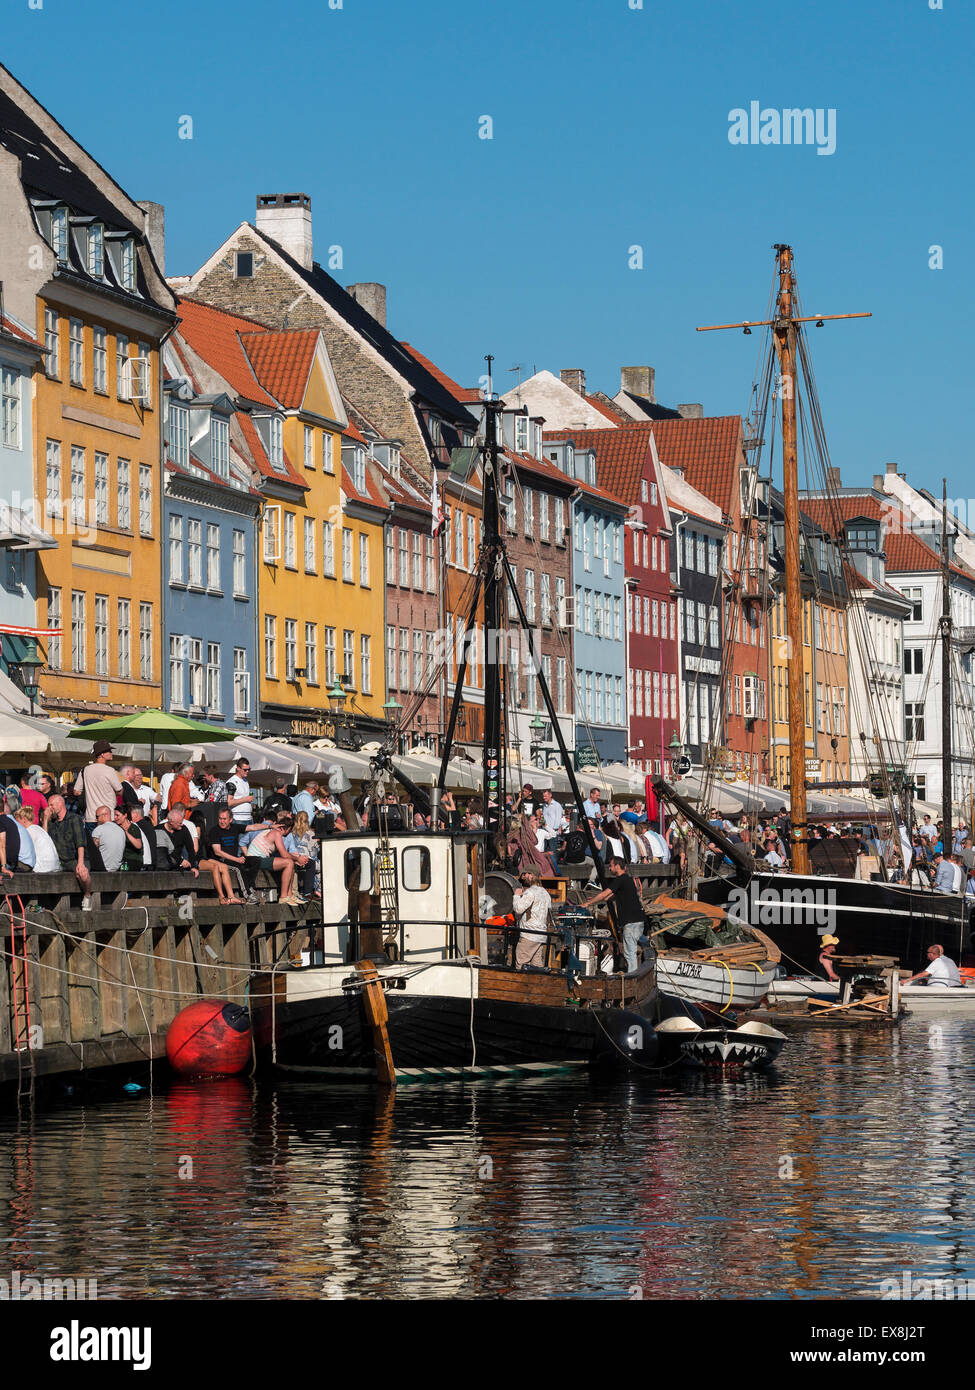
209 1038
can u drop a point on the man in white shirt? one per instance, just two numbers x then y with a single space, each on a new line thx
939 971
592 807
532 905
46 860
240 799
109 839
656 844
553 814
927 831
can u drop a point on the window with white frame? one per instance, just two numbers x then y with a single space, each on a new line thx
348 660
213 555
275 451
529 506
175 549
311 653
123 506
77 484
179 435
530 595
101 634
309 525
123 618
101 489
309 441
270 646
194 551
52 343
220 446
54 657
404 557
365 664
559 521
59 234
391 534
123 381
240 564
458 538
145 641
417 659
52 504
242 684
96 250
404 659
431 566
290 648
328 549
560 613
586 562
76 352
328 642
10 408
177 671
145 499
512 606
144 377
471 542
127 263
417 544
347 574
561 685
290 541
213 695
272 535
546 598
391 665
363 560
328 464
196 673
521 434
359 468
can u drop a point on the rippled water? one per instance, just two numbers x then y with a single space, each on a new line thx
561 1187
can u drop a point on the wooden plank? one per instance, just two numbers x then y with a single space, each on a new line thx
377 1015
165 1005
112 971
139 962
55 1008
84 1005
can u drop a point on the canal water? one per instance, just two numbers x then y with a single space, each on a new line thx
847 1165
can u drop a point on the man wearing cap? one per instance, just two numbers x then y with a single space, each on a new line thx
829 945
99 783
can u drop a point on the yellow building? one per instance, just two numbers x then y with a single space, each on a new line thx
320 562
76 261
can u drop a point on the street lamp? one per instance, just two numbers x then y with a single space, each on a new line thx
336 697
675 749
24 672
535 736
391 709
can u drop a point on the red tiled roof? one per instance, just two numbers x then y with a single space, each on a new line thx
609 411
621 456
261 461
215 336
282 361
352 431
8 326
459 393
907 554
830 512
372 493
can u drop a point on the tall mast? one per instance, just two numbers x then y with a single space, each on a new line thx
494 647
946 779
784 335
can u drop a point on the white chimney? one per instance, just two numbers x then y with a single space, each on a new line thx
286 219
372 296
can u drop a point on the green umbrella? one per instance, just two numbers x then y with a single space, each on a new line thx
154 724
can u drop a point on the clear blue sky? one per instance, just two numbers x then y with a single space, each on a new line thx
610 129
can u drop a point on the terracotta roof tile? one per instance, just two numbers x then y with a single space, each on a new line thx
215 336
606 408
282 362
621 455
261 461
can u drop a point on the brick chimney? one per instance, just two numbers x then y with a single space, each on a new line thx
693 411
286 219
372 297
833 477
574 378
638 381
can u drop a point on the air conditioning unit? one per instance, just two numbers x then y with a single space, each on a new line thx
749 697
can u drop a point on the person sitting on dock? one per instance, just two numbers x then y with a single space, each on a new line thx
46 859
532 905
140 836
829 945
175 848
267 848
940 970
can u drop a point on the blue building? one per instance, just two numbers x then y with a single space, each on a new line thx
210 511
599 634
22 522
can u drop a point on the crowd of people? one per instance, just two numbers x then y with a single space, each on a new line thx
108 821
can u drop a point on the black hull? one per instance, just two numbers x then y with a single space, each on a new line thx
433 1033
876 919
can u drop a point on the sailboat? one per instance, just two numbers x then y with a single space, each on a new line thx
410 974
869 916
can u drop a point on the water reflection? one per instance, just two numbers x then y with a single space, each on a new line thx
843 1168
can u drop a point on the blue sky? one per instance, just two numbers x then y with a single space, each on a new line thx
610 129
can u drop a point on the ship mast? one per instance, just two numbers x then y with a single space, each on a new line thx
947 840
785 330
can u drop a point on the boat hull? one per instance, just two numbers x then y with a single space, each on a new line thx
751 1047
870 918
718 986
477 1020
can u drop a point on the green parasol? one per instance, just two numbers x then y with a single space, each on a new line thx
154 725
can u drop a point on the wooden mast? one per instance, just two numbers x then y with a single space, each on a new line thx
784 328
784 335
947 840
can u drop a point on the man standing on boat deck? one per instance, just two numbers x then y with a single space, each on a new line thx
944 875
531 904
629 909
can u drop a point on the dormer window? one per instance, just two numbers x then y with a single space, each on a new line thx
644 490
243 265
179 435
570 460
276 442
220 446
127 264
59 234
591 469
96 250
521 434
537 437
863 537
359 468
393 462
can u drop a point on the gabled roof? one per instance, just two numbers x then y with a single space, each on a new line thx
215 336
459 393
708 452
907 554
11 327
606 407
424 384
622 455
261 460
831 512
282 360
651 409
